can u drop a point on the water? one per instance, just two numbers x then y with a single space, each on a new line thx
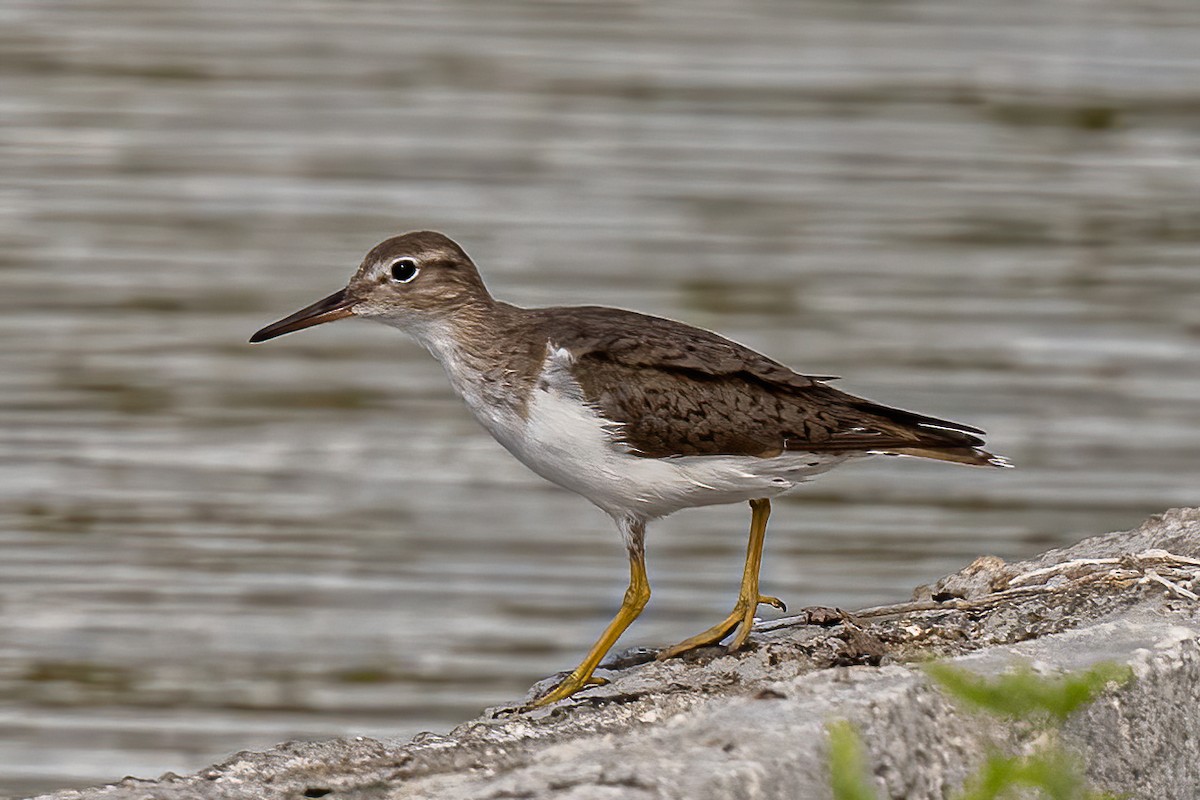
982 212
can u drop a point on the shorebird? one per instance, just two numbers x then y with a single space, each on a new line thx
641 415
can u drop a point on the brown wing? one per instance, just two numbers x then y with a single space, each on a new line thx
680 390
640 340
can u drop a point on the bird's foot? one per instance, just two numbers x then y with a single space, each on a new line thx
741 618
567 687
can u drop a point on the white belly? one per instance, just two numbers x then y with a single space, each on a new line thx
567 442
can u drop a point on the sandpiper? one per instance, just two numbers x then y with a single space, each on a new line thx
641 415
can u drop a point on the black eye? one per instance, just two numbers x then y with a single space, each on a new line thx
404 270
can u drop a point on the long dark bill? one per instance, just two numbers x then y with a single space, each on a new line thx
336 306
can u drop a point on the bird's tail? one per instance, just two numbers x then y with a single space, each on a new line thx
937 439
972 456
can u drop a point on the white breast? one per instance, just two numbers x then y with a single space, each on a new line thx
568 442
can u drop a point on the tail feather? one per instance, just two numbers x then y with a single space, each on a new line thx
938 430
972 456
864 426
933 438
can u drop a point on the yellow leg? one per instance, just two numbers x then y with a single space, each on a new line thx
742 616
636 597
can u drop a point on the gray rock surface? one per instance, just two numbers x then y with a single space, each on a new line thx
751 724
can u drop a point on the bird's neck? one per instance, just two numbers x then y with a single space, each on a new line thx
488 350
468 331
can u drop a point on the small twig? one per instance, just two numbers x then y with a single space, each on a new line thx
1151 555
1028 577
1125 570
1120 574
1155 554
899 609
1152 576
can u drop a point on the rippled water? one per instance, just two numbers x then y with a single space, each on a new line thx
982 212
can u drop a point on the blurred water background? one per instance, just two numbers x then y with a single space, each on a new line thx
986 211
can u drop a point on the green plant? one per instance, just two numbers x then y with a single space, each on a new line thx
847 763
1019 695
1023 694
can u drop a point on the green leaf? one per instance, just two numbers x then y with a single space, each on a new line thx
1058 775
1023 694
848 764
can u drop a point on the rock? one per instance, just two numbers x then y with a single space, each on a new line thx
752 724
983 576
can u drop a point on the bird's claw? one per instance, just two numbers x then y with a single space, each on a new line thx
566 687
768 600
740 619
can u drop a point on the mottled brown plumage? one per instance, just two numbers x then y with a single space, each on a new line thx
680 390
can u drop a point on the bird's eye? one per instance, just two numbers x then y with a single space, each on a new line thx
404 270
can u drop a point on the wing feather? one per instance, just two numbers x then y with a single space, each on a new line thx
677 390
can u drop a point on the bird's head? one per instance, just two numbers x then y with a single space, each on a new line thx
407 281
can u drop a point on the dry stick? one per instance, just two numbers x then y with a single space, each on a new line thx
1127 574
1151 575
